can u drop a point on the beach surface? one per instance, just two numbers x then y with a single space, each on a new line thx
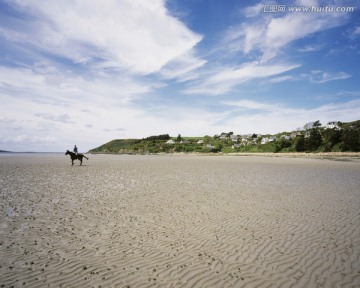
179 221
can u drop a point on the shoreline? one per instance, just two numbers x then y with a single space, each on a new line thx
266 154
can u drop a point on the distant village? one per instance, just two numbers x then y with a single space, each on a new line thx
335 136
254 139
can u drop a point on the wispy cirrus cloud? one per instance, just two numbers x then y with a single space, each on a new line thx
183 68
63 118
225 79
318 76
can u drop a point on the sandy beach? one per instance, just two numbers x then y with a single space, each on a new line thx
179 221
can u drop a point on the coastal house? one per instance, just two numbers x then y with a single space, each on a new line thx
295 134
264 140
184 141
234 138
236 145
267 140
171 141
200 141
210 146
244 142
286 137
245 138
332 125
224 136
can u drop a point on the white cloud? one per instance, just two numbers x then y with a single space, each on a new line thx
183 68
353 34
356 30
64 118
119 35
246 104
281 79
318 76
49 85
28 138
253 11
310 48
224 80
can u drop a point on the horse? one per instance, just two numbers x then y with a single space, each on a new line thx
75 156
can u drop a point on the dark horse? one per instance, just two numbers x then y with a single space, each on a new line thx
75 156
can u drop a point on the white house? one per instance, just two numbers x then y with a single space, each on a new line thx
234 138
295 134
268 139
286 137
332 125
224 136
264 140
200 141
245 138
171 141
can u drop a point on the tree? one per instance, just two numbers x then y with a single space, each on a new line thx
317 124
351 139
314 141
300 144
178 138
282 144
331 138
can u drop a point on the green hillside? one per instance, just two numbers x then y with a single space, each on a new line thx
346 137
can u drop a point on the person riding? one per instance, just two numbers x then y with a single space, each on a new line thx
75 149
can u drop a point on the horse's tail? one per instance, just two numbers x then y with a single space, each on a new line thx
86 157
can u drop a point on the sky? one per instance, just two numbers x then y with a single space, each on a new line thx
86 72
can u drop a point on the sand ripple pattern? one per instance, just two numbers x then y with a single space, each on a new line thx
179 221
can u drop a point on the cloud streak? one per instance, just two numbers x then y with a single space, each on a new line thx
224 80
317 76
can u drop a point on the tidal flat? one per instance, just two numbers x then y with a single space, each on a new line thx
179 221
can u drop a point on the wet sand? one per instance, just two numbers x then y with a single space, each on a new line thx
179 221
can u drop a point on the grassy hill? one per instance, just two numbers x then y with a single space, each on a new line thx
317 139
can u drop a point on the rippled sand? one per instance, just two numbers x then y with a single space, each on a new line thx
179 221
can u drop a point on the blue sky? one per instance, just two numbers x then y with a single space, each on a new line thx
86 72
